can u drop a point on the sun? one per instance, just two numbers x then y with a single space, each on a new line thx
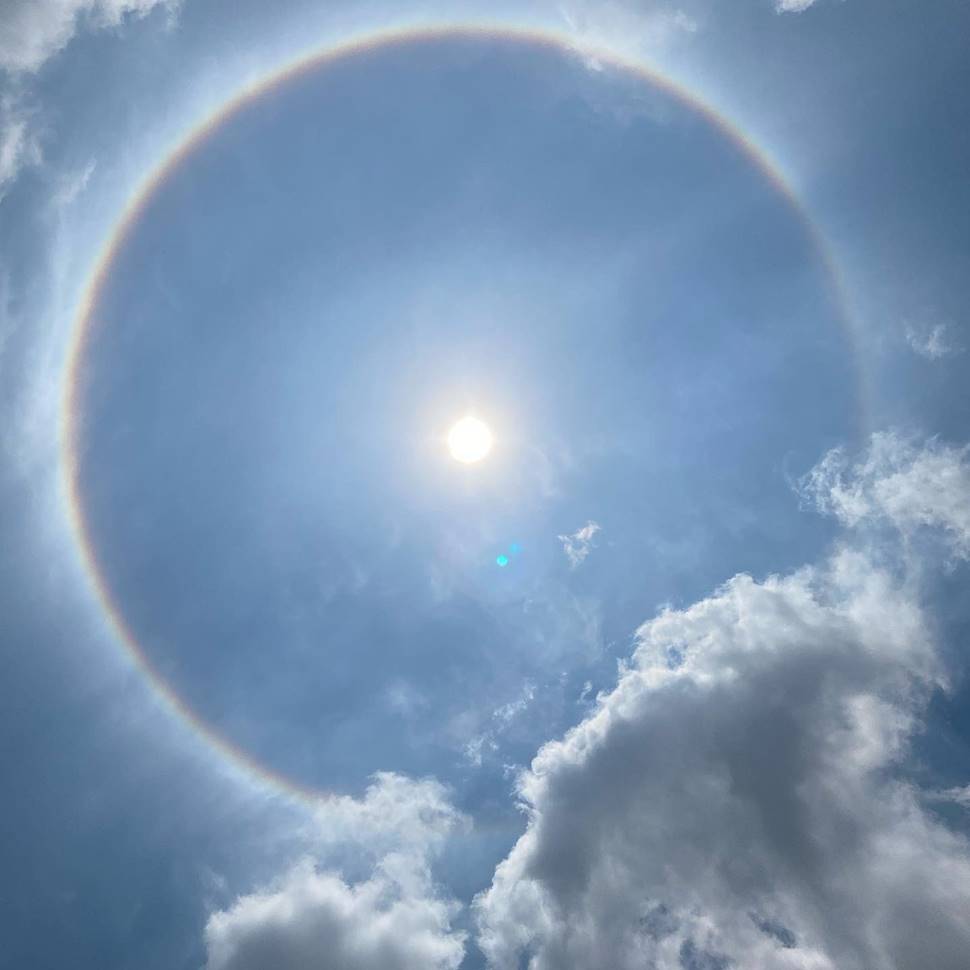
469 440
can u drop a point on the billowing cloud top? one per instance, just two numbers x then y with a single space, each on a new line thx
733 801
392 920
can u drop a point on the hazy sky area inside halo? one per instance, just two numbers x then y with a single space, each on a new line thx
336 274
631 345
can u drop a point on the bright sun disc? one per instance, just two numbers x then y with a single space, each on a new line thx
470 440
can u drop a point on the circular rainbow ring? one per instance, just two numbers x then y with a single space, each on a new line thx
84 321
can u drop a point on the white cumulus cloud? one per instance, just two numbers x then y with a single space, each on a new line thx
313 917
313 920
733 802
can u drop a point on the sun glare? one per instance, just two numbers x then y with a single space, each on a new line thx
470 440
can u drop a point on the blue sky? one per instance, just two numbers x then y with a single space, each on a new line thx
675 677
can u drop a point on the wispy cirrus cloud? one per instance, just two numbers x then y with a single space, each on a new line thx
956 796
912 486
580 544
501 718
632 28
19 141
33 31
933 341
793 6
